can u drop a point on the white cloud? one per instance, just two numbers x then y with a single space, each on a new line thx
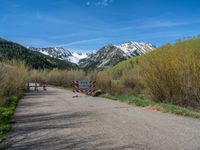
162 23
145 24
80 42
99 2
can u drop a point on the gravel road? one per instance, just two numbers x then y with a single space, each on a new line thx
53 120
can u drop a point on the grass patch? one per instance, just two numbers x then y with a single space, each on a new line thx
5 113
154 105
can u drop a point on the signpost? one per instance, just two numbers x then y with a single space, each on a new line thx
87 87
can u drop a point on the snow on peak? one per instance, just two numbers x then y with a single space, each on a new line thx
76 57
108 55
61 53
131 48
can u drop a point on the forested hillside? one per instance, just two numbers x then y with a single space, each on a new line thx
10 50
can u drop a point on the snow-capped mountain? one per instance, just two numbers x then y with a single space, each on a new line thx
112 54
135 48
106 56
61 53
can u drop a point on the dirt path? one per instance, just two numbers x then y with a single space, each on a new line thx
54 120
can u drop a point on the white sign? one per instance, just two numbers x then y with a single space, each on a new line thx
83 84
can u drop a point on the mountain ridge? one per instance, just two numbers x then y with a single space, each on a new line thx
61 53
111 54
104 57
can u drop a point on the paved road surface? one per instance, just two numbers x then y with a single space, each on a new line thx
54 120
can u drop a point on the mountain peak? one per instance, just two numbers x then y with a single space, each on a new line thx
112 54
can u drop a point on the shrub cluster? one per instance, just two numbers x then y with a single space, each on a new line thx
172 73
122 78
169 74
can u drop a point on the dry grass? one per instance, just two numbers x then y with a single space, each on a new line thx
13 79
103 81
38 75
14 75
64 77
58 77
155 108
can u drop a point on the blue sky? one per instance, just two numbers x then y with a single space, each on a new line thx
85 25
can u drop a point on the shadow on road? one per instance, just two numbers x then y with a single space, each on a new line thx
40 125
54 128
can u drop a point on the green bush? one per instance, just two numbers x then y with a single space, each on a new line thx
5 113
171 73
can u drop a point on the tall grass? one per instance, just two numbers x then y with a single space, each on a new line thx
39 75
58 77
103 81
64 77
13 78
2 77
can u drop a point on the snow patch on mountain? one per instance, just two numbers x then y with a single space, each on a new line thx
76 57
61 53
134 48
111 54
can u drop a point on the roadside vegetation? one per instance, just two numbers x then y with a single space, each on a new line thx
172 73
169 74
58 77
6 111
152 105
13 78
